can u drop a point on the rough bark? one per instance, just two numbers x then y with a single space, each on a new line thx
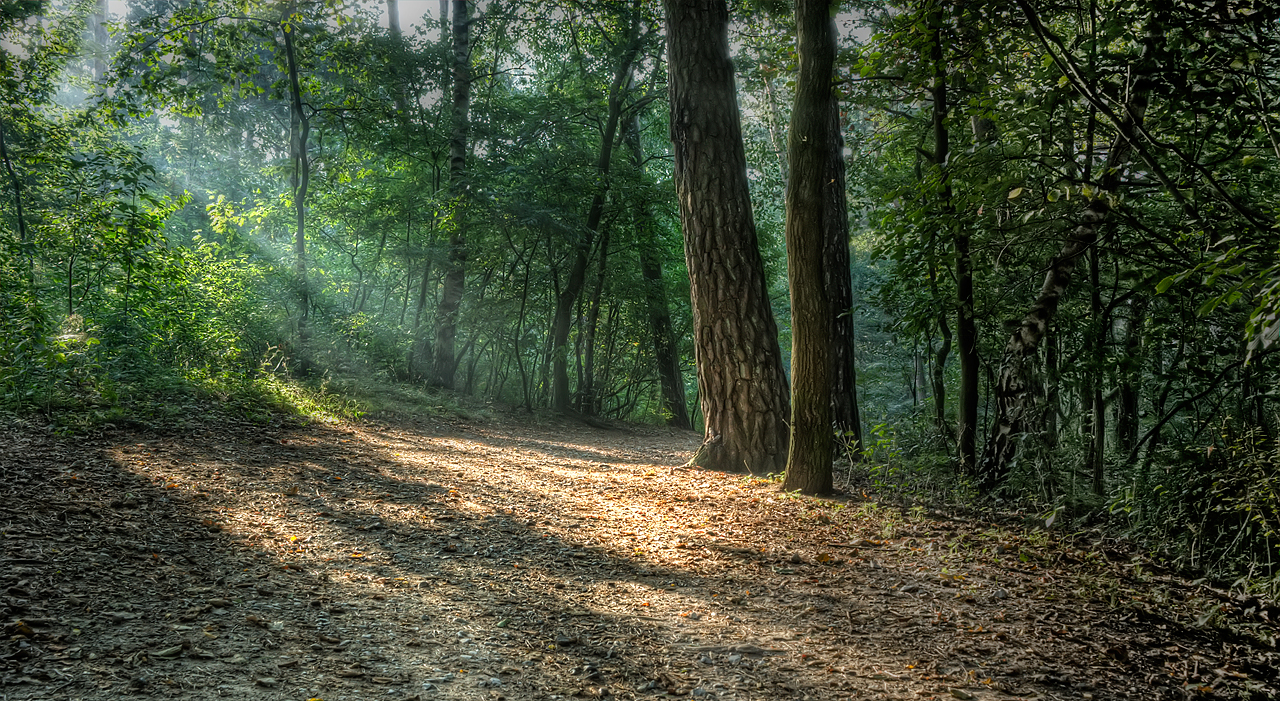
454 285
741 385
808 232
839 285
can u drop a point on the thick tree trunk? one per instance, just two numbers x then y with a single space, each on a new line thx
446 360
741 385
839 286
808 240
674 404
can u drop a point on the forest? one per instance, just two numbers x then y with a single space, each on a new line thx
1009 261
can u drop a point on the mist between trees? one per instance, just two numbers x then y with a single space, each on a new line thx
1021 254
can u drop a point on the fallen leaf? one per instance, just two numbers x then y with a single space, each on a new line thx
168 653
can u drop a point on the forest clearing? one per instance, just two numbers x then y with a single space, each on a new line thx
541 559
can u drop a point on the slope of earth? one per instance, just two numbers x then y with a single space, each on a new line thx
538 559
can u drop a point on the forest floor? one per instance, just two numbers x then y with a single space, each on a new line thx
536 558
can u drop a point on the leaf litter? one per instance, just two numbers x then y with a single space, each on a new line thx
537 558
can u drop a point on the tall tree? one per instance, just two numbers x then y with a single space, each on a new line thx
665 353
742 387
578 269
845 415
446 360
1016 386
300 132
809 149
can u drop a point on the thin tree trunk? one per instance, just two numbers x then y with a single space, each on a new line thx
589 402
774 125
524 298
393 19
741 385
675 406
578 270
101 40
24 239
1127 418
446 362
1097 449
1015 400
966 326
940 378
300 126
373 270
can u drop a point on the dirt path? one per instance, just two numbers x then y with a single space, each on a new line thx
512 561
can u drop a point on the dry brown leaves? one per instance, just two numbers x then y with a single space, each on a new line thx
542 559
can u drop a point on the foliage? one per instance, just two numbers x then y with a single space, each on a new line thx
148 229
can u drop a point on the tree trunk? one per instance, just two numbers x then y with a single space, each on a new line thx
589 402
300 130
809 238
741 384
966 326
839 286
675 406
24 239
393 19
1097 448
397 38
940 378
519 353
578 271
101 40
1015 400
1130 384
446 362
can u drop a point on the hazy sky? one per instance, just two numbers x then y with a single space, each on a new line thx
412 12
